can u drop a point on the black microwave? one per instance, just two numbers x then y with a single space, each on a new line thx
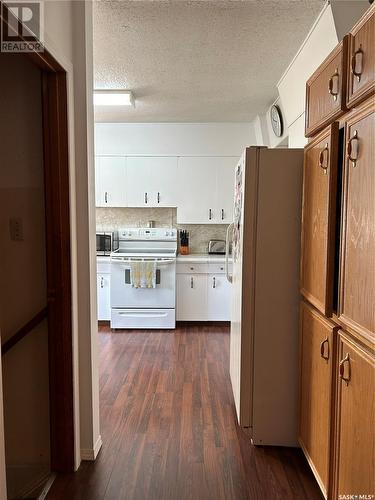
106 242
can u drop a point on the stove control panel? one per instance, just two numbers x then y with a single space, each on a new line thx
154 233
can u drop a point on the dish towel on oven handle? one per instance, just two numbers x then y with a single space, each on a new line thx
143 273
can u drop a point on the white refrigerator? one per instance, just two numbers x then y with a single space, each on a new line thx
265 240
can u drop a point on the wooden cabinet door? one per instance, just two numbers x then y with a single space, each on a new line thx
316 357
326 91
361 59
357 282
218 298
355 436
319 219
191 297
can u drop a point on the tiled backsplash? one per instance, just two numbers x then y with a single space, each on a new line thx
116 218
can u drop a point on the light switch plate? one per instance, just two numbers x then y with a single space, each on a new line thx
16 229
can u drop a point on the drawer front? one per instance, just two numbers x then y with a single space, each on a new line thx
143 318
361 59
216 268
326 91
195 268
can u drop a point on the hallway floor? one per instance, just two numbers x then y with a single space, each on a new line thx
169 428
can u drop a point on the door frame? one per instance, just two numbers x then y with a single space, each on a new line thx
58 253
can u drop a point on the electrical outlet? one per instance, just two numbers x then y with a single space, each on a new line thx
16 229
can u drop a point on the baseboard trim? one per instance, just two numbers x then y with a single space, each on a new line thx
91 453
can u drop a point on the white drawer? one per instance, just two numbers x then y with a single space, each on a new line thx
103 267
191 268
216 268
143 318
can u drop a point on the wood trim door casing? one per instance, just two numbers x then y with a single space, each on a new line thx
365 110
56 168
324 304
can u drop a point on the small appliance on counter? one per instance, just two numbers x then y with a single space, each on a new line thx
106 242
216 247
184 242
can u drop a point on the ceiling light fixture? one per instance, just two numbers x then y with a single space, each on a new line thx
113 98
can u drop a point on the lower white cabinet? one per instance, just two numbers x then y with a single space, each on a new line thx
103 285
201 294
191 297
218 298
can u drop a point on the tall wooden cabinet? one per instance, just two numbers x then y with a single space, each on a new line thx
337 347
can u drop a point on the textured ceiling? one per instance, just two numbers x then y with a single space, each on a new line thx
196 61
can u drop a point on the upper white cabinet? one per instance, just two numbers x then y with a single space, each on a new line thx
152 181
206 190
110 181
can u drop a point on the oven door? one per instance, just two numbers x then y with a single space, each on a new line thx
124 295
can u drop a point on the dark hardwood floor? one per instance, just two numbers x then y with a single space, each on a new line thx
169 427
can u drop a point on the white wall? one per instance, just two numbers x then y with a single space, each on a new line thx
173 139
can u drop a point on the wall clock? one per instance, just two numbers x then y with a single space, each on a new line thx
276 120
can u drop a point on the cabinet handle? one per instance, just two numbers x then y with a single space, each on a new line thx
334 93
210 214
342 369
191 282
158 197
321 159
102 282
214 282
353 66
222 214
106 197
192 269
146 198
349 148
322 349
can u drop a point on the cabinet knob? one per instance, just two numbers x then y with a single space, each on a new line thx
214 282
158 197
192 269
345 362
192 282
353 152
357 57
222 214
106 197
323 353
323 165
146 198
210 214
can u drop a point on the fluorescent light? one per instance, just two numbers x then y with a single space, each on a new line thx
113 98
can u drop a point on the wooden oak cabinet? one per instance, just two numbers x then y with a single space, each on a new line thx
355 440
318 219
357 283
326 91
361 59
316 358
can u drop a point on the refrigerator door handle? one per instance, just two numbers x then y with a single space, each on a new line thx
227 244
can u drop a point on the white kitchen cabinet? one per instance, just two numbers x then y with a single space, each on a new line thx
218 298
103 283
206 190
110 181
152 181
191 297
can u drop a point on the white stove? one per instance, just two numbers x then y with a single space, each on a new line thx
137 307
